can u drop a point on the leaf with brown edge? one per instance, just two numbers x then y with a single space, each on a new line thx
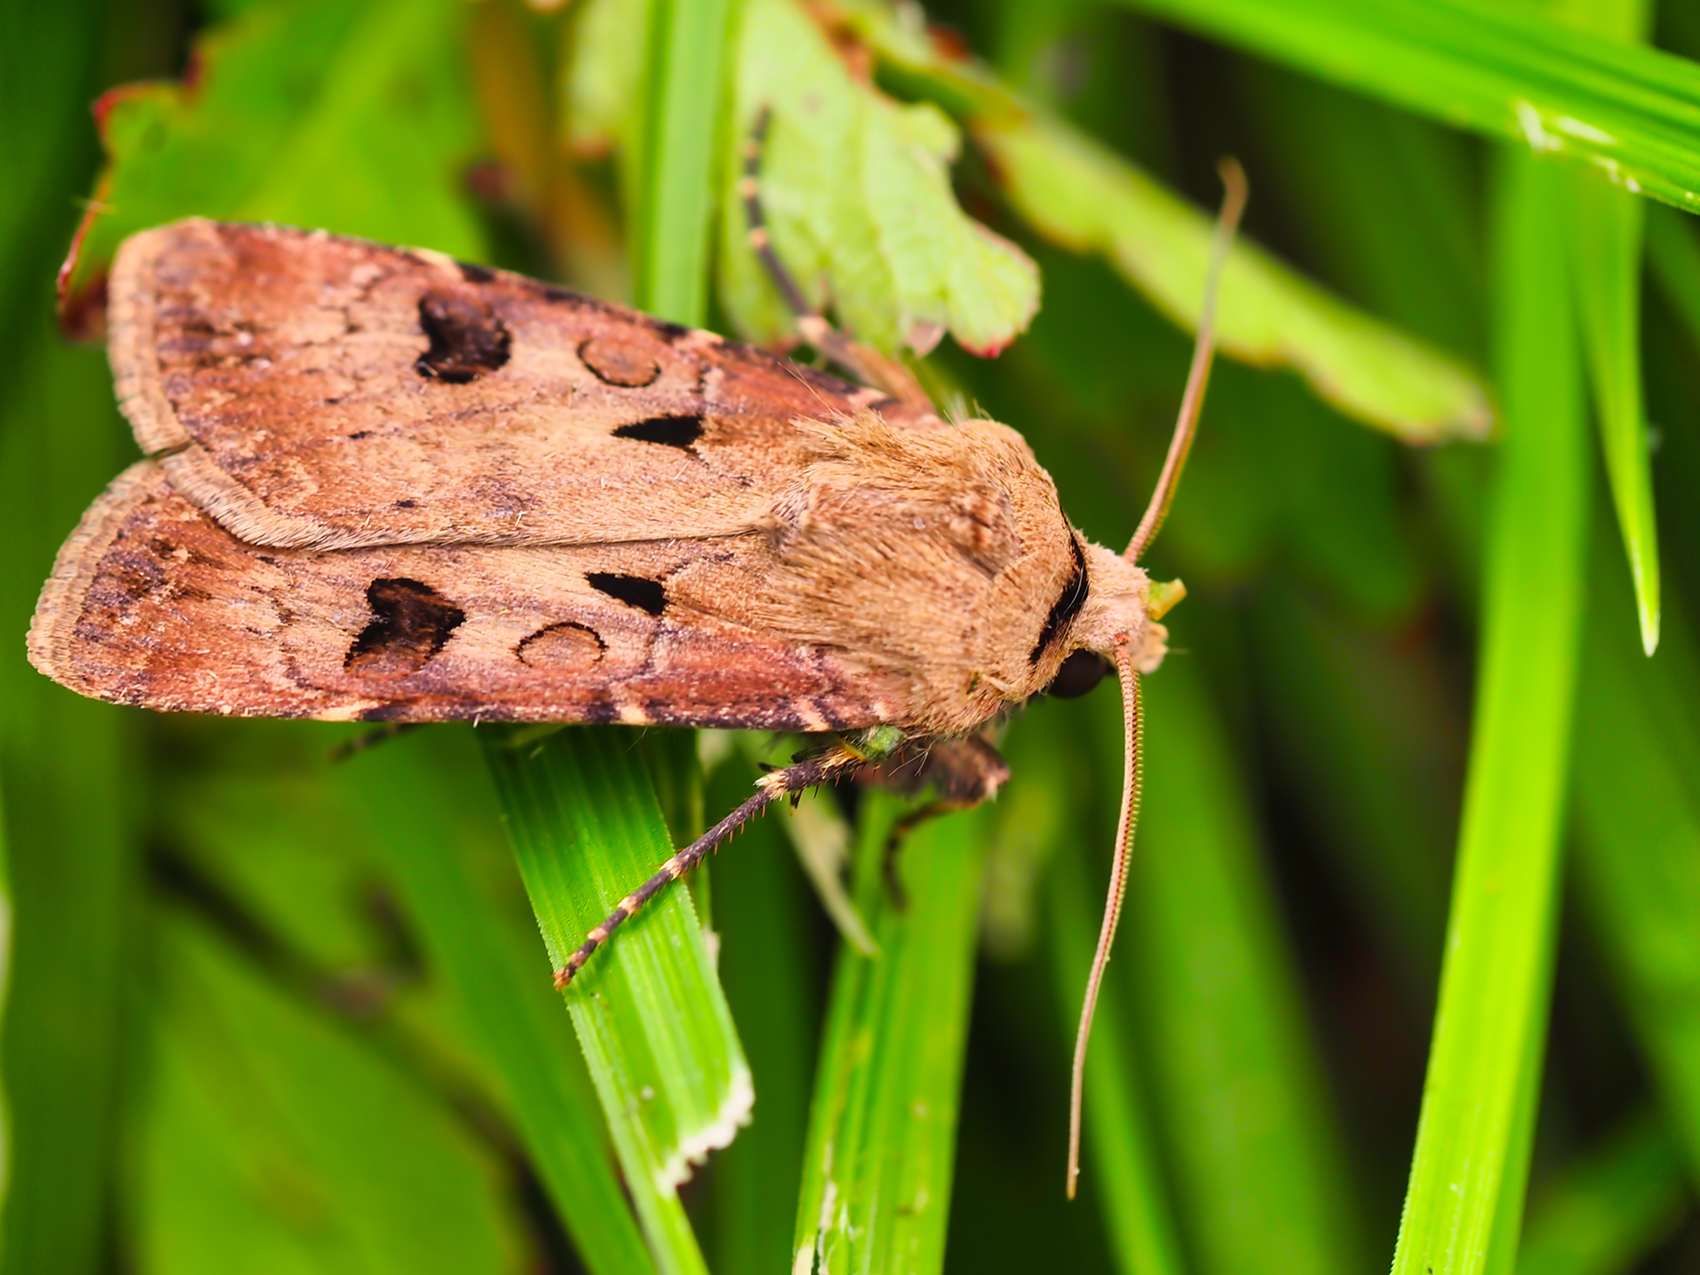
290 113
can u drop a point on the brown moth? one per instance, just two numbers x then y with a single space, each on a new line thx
383 485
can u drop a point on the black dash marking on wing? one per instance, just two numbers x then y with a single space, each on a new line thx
645 595
1067 605
411 623
671 431
468 339
476 274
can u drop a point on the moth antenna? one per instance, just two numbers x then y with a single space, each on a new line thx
1133 725
1203 351
826 768
868 365
750 190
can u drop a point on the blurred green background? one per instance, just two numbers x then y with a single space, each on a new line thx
269 1012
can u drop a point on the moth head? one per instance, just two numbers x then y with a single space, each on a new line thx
1118 612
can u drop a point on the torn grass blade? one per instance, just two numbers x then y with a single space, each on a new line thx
649 1012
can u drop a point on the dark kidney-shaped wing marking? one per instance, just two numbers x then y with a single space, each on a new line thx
153 603
310 390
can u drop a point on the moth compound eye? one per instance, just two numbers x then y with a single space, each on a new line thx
1079 673
468 339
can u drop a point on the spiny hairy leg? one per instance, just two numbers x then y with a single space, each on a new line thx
867 365
962 773
829 766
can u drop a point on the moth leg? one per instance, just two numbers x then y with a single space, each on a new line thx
867 365
963 773
894 847
827 767
371 739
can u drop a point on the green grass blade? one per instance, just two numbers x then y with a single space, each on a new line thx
1638 855
62 760
1605 255
1260 1178
1605 1212
1123 1164
683 120
272 1137
1497 972
72 855
762 912
648 1009
1505 71
1675 258
507 1002
882 1128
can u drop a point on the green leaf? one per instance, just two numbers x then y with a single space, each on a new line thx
1605 253
1079 194
1471 1159
882 1127
649 1012
272 1140
1608 1210
1506 71
857 196
1083 197
349 116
